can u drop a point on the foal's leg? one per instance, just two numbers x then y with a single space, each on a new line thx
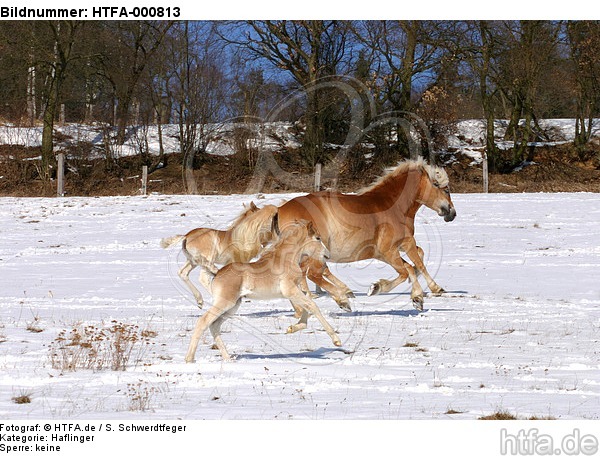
412 251
301 300
220 307
215 330
184 273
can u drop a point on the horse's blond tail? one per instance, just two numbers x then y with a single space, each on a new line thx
167 242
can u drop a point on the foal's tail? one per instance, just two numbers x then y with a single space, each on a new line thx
167 242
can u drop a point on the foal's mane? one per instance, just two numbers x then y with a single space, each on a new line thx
298 229
246 229
437 175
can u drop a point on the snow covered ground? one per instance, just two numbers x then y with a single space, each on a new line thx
519 329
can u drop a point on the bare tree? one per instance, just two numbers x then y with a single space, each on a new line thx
130 45
197 88
529 56
480 51
63 35
308 51
403 52
583 38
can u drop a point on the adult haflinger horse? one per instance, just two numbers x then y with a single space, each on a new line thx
378 223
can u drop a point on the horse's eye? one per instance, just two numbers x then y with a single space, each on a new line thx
318 238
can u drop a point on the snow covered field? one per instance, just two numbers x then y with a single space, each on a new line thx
518 331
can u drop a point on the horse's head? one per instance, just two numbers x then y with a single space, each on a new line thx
313 244
434 192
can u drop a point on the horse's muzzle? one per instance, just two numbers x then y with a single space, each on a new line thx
449 213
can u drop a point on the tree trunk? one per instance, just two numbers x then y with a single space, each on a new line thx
47 148
486 97
123 104
515 117
406 69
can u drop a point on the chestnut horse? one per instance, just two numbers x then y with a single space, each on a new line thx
377 223
277 273
206 247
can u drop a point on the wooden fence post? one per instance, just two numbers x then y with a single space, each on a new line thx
60 175
144 180
317 186
485 174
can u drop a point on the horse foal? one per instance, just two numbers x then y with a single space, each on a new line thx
276 274
241 242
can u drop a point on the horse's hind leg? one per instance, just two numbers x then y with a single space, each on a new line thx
404 270
320 274
184 273
384 286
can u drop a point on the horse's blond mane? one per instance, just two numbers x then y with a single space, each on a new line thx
247 228
298 229
437 175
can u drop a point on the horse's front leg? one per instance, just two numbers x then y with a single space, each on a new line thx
415 254
404 270
299 299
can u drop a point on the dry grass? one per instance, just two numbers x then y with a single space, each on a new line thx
504 415
140 396
453 412
34 326
22 398
92 347
411 345
499 415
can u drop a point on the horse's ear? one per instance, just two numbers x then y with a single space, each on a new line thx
253 206
311 228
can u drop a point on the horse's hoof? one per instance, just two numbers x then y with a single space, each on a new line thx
189 360
295 328
438 291
344 305
350 294
337 343
418 303
374 289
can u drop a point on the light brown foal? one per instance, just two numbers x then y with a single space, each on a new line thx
276 274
